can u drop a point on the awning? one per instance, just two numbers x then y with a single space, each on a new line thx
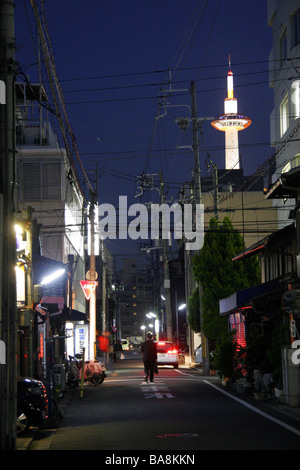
243 297
287 186
74 315
287 231
251 250
54 306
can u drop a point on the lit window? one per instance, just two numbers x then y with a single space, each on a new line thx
295 99
292 163
284 115
295 40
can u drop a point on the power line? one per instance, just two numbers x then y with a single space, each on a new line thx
164 71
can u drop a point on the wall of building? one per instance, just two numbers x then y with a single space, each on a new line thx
284 63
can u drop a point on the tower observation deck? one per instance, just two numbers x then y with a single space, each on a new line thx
231 122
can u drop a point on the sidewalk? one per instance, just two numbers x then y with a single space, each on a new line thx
23 443
272 404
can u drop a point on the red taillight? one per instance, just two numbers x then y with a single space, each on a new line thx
172 351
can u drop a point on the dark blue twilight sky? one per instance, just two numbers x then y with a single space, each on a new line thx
112 58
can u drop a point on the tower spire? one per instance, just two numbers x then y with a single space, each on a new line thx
231 122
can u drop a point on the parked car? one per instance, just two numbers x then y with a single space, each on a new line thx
125 344
167 354
32 403
198 355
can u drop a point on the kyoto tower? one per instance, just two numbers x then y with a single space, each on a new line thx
231 122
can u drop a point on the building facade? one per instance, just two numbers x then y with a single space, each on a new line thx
284 62
47 187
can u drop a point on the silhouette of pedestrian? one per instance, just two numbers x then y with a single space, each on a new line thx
117 350
148 348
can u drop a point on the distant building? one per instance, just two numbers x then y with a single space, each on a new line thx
137 294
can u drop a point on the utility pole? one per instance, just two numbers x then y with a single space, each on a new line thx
103 292
92 277
215 188
8 305
167 283
197 177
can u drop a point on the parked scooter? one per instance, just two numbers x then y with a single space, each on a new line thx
94 372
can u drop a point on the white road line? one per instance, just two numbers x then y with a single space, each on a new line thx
183 373
111 380
256 410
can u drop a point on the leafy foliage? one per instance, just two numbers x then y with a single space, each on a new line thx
228 358
219 276
194 313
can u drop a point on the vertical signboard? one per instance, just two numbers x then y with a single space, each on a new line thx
81 338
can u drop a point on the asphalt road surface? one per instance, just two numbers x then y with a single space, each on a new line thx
181 413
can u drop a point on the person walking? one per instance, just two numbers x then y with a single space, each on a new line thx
117 350
148 348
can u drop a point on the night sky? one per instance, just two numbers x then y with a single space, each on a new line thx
114 59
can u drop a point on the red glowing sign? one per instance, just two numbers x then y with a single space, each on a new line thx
88 288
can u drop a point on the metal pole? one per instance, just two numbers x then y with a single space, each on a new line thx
92 305
176 306
82 373
166 273
204 340
8 307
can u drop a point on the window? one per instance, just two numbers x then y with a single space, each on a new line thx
295 99
283 46
284 115
287 260
295 39
294 162
39 181
273 267
267 269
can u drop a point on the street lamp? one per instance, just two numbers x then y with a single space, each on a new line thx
151 315
156 323
53 276
143 328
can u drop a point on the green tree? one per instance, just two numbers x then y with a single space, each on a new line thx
194 312
219 276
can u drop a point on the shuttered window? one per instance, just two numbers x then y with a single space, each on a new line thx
39 181
51 181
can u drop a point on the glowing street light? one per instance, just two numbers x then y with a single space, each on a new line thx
151 315
53 276
143 328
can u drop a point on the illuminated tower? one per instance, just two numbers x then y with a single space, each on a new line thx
231 122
